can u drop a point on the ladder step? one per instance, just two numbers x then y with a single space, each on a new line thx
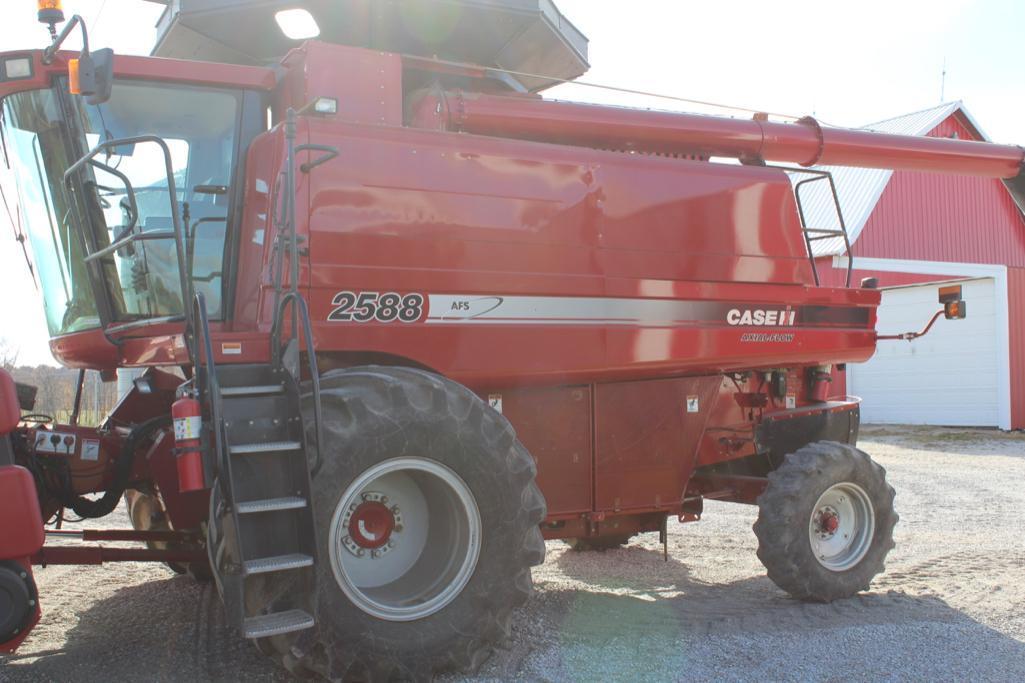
257 390
271 505
269 447
275 624
281 563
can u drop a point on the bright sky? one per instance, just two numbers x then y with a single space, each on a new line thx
848 63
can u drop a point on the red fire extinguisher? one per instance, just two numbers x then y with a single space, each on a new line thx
188 424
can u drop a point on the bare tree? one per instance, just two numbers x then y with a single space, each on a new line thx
8 354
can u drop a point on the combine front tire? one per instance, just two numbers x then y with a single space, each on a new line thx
825 522
428 523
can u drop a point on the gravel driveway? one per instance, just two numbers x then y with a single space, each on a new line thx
951 605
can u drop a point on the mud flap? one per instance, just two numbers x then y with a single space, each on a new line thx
787 432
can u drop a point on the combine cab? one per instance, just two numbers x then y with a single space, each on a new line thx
402 319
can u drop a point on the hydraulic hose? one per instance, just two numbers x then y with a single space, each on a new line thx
92 509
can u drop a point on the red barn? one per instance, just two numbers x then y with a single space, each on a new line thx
911 230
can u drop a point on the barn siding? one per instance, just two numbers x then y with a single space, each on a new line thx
932 217
1016 324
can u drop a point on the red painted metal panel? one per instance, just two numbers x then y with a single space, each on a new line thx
368 88
646 440
412 211
1016 302
10 410
945 218
555 427
19 510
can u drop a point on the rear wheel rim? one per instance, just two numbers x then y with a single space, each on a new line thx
417 562
841 527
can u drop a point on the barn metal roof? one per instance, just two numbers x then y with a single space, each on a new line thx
859 189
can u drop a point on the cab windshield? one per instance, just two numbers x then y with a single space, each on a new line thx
46 131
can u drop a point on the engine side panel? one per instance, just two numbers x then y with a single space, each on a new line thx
617 265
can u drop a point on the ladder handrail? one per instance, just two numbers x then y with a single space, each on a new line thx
184 281
301 310
818 175
205 370
300 313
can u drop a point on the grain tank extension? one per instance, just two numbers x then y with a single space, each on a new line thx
401 319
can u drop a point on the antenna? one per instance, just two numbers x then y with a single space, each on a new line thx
943 82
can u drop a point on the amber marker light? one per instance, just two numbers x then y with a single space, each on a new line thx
74 83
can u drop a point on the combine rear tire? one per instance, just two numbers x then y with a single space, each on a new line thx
825 522
427 523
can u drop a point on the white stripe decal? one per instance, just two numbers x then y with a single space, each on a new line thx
517 310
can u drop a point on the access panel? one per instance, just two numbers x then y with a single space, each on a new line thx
647 434
555 426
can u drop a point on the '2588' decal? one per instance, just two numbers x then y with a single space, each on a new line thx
365 307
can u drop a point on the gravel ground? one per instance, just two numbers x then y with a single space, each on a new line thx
949 607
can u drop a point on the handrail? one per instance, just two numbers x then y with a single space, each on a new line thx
192 238
287 237
842 232
179 237
211 385
129 190
125 241
300 308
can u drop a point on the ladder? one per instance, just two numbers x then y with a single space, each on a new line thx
263 471
259 439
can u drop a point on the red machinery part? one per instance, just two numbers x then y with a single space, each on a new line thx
188 424
806 142
10 411
22 536
19 512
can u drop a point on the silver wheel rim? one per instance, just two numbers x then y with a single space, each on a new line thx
413 563
841 527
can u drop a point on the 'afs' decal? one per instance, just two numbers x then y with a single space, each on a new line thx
365 307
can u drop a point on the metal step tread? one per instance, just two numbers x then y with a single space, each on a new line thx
255 390
266 447
280 563
271 505
277 623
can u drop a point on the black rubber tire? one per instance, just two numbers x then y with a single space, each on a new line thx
784 513
598 543
200 571
373 414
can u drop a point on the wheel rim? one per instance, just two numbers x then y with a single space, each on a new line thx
405 538
841 527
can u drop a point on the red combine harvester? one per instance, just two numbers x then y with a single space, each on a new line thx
402 319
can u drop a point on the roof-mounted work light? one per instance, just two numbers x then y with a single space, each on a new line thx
297 24
321 106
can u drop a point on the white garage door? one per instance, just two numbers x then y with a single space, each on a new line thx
948 377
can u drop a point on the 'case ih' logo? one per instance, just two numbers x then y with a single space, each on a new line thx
761 318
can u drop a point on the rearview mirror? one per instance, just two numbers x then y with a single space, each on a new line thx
92 75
